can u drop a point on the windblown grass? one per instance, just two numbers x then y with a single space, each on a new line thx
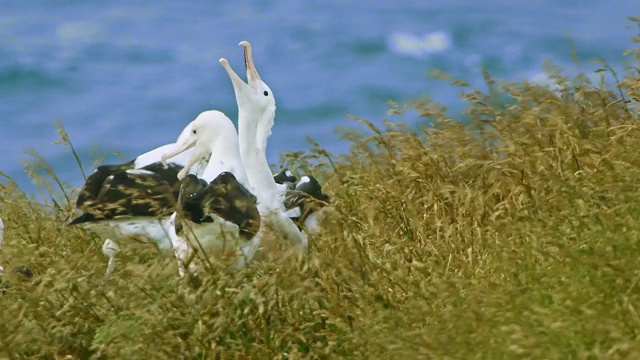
513 235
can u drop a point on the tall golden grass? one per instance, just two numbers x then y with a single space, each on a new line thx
514 234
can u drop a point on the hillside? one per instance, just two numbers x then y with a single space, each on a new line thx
513 234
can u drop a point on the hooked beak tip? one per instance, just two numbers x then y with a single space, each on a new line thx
244 43
223 61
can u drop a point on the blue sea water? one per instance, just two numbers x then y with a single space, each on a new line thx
127 76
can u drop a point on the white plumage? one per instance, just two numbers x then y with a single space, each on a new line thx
256 115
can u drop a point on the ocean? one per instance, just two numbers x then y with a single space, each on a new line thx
126 76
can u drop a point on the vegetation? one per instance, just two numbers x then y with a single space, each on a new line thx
511 235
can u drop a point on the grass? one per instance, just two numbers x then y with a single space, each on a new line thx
513 235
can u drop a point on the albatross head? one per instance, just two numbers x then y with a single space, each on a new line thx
210 129
254 95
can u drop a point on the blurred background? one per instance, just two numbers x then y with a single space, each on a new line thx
127 76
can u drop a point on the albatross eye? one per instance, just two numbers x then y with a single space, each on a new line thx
194 131
266 93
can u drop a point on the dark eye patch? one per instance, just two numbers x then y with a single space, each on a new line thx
266 93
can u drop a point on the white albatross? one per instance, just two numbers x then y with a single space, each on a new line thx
216 213
256 115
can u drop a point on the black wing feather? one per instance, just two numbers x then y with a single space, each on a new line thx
226 197
308 196
128 194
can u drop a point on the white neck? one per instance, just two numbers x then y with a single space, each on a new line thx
253 134
225 156
253 131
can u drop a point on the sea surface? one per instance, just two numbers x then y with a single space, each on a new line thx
127 76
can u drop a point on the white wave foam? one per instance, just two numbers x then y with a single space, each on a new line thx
404 43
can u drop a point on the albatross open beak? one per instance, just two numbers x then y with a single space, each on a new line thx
252 73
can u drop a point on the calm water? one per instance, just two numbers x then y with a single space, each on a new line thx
129 75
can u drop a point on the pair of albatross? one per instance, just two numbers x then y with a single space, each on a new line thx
225 206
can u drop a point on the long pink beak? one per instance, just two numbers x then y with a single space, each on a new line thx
195 157
186 145
252 73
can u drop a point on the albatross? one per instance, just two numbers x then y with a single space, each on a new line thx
304 203
216 212
256 116
303 199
